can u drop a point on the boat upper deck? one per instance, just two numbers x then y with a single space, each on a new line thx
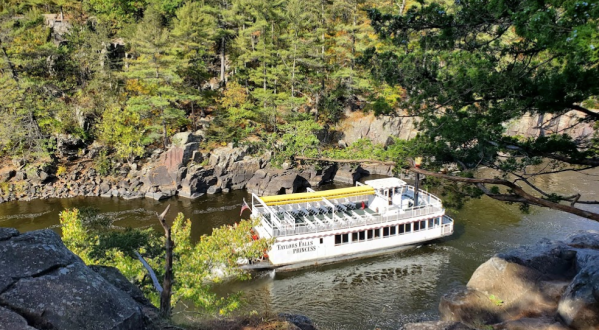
311 212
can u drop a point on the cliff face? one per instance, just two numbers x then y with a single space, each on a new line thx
43 285
357 125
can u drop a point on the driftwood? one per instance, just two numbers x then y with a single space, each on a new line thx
155 281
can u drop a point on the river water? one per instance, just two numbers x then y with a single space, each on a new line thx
382 292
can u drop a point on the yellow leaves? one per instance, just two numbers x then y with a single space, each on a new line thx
137 87
234 96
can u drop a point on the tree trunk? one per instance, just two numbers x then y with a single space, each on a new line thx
402 7
222 59
167 283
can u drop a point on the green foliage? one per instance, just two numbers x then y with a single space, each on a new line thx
197 267
278 61
102 163
495 300
470 67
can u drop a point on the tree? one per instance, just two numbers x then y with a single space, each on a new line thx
155 70
189 271
469 67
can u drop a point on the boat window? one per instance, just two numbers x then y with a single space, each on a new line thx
393 230
345 238
430 223
423 225
377 233
385 231
362 236
416 226
370 234
437 221
354 237
408 227
321 240
341 239
401 229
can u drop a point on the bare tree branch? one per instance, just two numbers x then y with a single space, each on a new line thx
150 271
594 115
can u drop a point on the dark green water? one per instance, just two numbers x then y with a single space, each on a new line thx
383 292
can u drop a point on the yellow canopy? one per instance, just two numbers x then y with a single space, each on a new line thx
317 196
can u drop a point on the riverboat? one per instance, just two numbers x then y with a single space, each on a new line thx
318 227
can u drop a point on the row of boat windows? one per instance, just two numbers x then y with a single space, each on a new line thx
384 232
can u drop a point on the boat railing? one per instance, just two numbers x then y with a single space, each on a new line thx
446 225
425 196
288 230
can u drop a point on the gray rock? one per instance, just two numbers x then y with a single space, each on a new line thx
178 156
527 323
114 277
213 190
157 195
133 195
32 254
68 146
197 157
6 233
226 156
183 138
579 306
10 320
161 177
437 325
346 175
196 182
6 175
104 187
43 285
300 321
20 175
74 297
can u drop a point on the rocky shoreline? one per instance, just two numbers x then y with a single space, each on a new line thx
182 170
551 285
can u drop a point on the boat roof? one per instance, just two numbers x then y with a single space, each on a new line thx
317 196
385 183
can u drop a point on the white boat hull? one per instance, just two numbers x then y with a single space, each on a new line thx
322 248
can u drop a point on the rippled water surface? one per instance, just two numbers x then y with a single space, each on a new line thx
382 292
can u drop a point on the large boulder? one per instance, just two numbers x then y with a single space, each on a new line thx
69 146
183 138
178 156
51 288
276 182
161 177
241 172
225 156
349 174
196 182
532 286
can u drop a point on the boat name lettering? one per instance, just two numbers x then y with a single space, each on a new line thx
299 247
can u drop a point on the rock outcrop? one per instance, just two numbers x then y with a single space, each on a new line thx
43 285
379 129
550 285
